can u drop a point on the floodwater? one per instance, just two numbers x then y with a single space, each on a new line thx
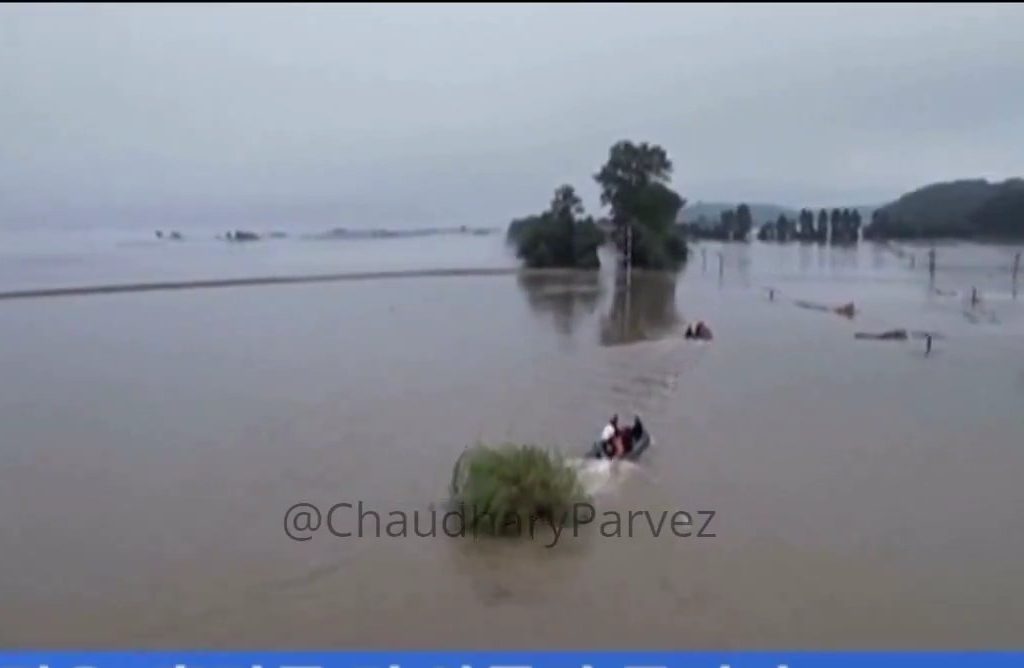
864 494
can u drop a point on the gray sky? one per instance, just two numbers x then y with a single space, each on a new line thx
395 115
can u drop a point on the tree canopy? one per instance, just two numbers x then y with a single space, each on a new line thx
558 237
634 185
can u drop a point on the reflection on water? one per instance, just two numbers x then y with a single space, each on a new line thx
567 297
642 309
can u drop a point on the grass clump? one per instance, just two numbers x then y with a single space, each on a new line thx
506 489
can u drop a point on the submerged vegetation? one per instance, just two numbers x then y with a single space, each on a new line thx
560 237
506 488
634 186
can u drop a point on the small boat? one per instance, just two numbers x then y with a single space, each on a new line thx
645 441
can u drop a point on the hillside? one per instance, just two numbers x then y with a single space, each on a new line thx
950 209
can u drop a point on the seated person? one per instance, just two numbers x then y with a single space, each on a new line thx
699 331
633 435
702 332
637 431
617 443
610 430
611 443
626 442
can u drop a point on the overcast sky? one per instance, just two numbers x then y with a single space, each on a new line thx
473 114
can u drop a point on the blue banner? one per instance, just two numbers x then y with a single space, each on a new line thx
486 659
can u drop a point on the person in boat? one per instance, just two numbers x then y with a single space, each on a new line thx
617 443
633 436
637 432
611 439
700 331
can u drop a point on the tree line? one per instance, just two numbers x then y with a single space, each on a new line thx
837 226
840 226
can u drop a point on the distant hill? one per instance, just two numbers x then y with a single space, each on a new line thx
946 204
708 214
951 209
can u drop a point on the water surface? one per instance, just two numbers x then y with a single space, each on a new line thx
865 495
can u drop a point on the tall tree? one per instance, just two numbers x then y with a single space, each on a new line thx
744 222
566 203
634 184
835 221
840 226
783 227
822 230
728 223
806 224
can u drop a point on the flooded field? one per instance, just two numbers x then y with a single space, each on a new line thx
863 494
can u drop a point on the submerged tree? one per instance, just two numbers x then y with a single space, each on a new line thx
822 231
807 232
559 237
727 223
835 222
634 184
744 223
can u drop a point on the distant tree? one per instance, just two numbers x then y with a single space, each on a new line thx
787 227
855 226
728 223
784 228
744 222
634 184
840 224
806 219
520 227
559 237
873 229
767 232
822 231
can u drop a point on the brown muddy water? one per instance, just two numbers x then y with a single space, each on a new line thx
865 495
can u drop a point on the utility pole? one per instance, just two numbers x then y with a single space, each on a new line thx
1016 270
629 254
931 268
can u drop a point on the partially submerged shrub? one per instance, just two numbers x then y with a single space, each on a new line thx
505 489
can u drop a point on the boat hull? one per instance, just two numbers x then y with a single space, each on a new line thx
638 450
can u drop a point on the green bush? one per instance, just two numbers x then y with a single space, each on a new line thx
560 237
505 489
